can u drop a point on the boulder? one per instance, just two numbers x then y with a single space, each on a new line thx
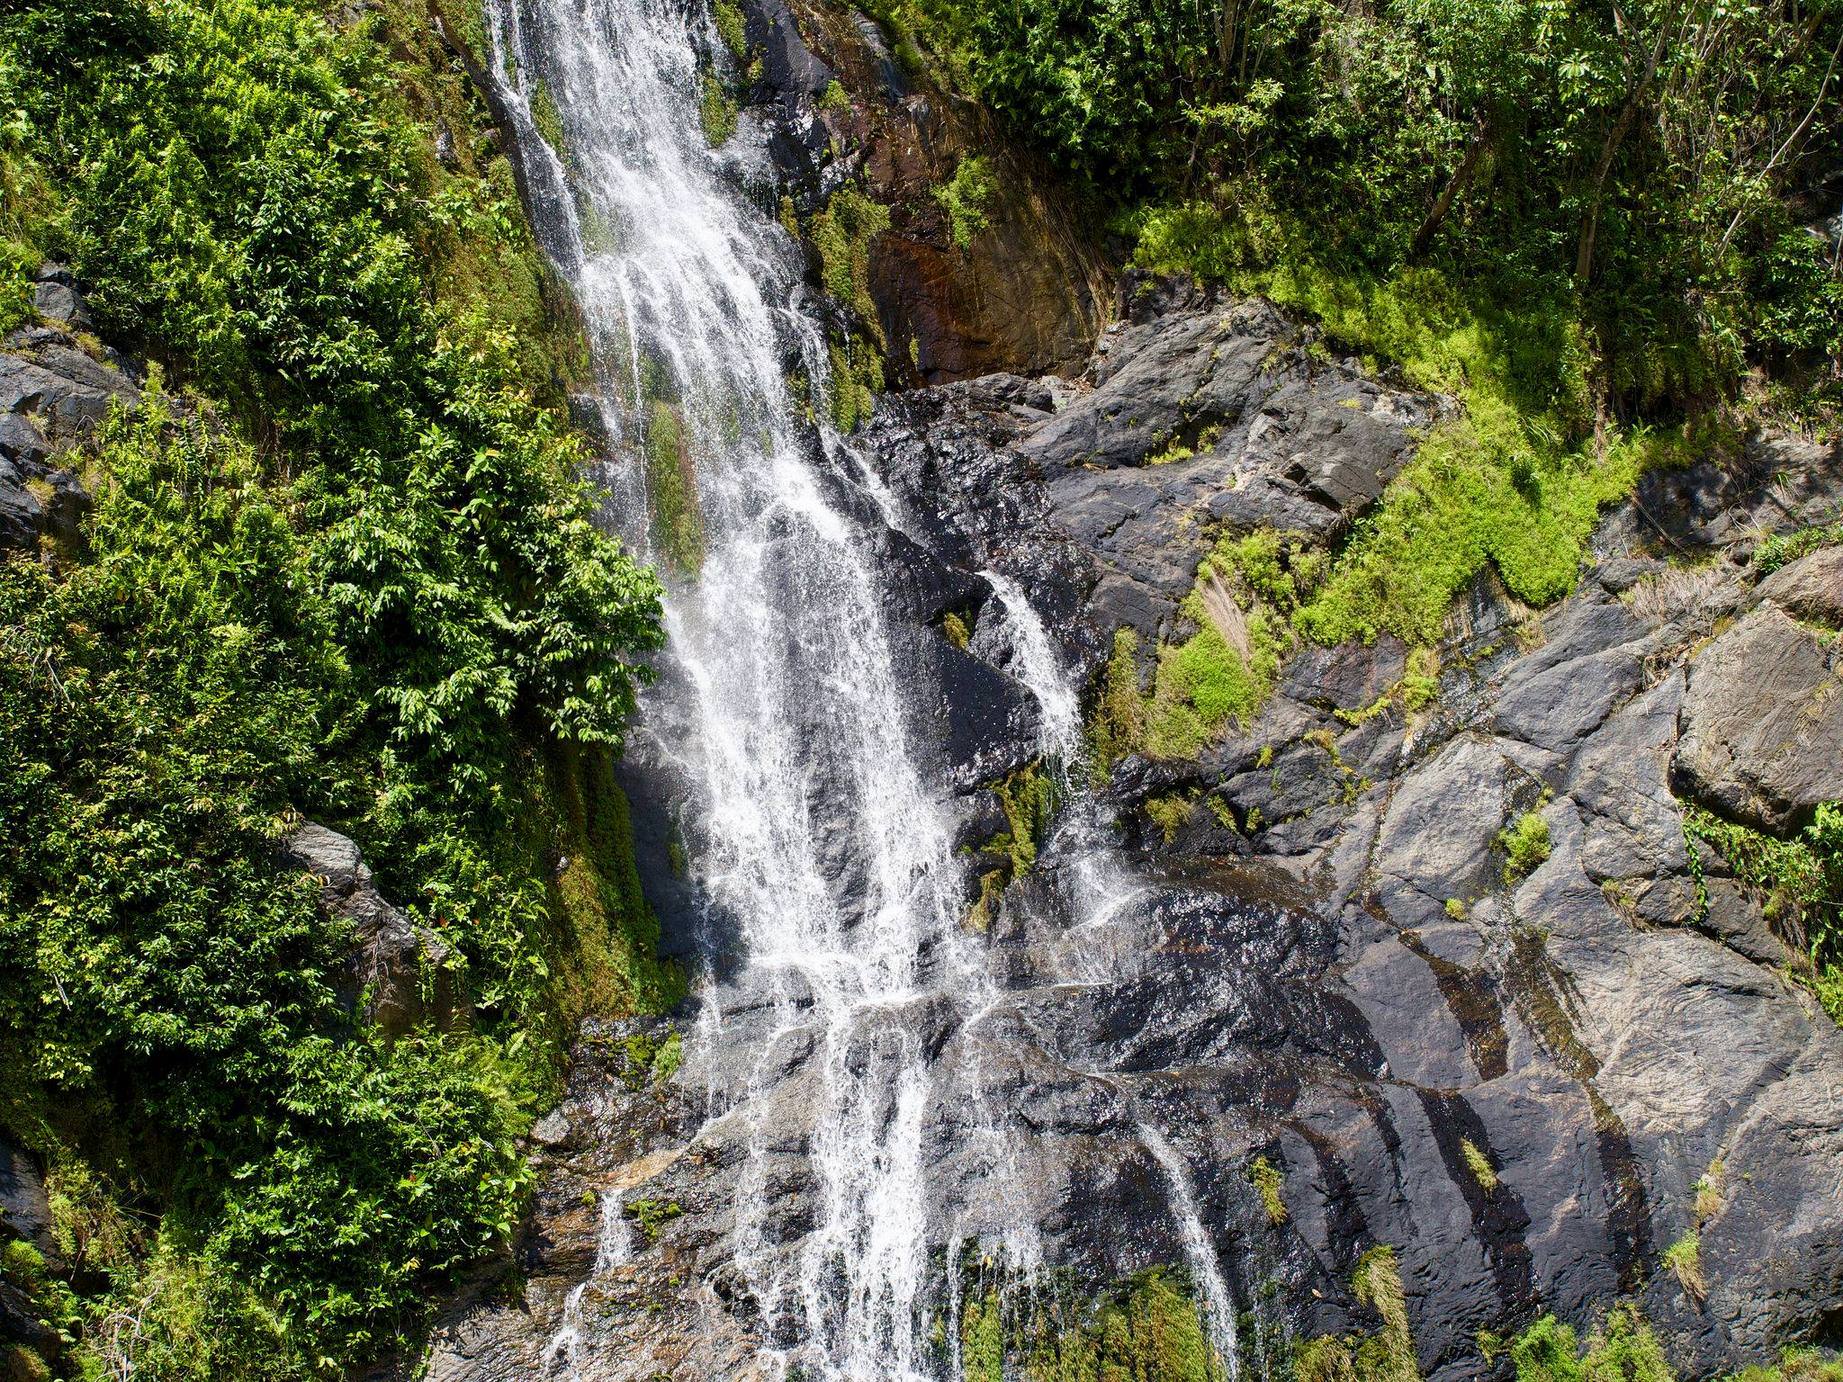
1810 588
21 442
22 517
397 969
1762 723
55 295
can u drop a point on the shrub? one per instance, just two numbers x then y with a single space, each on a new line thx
963 198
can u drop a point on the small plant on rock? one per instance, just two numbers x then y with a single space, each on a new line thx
1268 1182
1684 1258
1525 843
1479 1165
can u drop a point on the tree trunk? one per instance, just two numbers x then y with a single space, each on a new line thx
1590 221
1423 238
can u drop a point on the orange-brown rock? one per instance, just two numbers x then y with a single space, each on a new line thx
1029 292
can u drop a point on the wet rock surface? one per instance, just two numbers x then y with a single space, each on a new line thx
1335 971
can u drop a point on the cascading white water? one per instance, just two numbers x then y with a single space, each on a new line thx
1218 1305
1102 889
563 1354
812 833
810 830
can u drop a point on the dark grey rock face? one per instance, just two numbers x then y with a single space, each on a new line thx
25 1211
1326 963
1205 416
54 394
1810 588
397 968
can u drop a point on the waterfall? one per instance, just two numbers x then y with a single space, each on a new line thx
1218 1305
811 832
820 851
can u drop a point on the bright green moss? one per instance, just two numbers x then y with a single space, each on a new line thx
857 379
717 110
1525 843
606 960
651 1216
965 197
982 1338
731 28
1268 1182
1171 813
1479 1165
671 479
546 116
842 234
1497 485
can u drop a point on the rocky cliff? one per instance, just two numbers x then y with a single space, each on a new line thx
1428 948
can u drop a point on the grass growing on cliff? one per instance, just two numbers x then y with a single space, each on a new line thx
963 199
1219 675
1383 1354
1799 882
1623 1347
1525 842
1146 1327
842 233
1268 1182
1507 482
345 571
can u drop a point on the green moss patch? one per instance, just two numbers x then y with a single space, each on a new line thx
842 234
671 479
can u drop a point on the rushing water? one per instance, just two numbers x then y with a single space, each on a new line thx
815 839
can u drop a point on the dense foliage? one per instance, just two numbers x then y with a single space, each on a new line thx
1651 160
340 568
1586 222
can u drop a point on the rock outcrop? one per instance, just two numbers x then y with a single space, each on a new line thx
1026 293
1810 588
1762 737
1531 1076
57 386
397 970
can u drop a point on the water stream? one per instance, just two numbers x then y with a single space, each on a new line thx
820 849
